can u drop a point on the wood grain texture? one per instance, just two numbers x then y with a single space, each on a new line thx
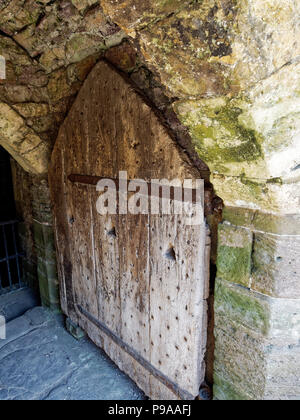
144 277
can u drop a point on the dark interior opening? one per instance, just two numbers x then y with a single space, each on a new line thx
7 202
10 256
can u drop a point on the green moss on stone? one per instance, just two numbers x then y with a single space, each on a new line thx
243 306
266 222
240 144
225 391
234 264
254 188
222 136
234 254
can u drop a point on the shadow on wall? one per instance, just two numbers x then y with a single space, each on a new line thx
7 202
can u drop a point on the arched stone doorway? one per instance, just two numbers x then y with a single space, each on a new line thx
138 284
231 73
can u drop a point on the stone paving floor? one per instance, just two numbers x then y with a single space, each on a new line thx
40 360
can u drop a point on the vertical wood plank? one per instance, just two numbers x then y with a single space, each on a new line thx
133 235
177 300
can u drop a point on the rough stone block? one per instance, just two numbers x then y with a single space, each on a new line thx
29 150
49 284
74 329
47 267
276 265
38 235
243 306
265 222
123 57
53 287
240 358
131 14
49 243
234 254
283 368
257 349
44 291
13 305
225 391
283 393
271 317
285 319
254 365
270 196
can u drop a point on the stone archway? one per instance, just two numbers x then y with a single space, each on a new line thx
230 71
23 144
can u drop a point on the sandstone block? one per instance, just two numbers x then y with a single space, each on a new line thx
276 265
234 254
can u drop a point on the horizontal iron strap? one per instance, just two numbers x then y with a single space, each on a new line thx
182 394
174 191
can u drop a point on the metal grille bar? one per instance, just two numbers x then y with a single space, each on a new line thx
10 257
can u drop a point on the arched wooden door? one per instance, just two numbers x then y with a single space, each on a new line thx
146 308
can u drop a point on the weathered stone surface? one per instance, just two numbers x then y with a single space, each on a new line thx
46 263
239 43
271 317
22 183
262 222
186 49
288 393
231 70
74 329
256 137
134 14
25 80
248 366
67 32
245 307
123 56
274 113
15 17
257 345
234 254
13 305
285 320
82 5
81 46
273 196
31 110
283 370
41 361
41 100
239 360
23 144
221 139
251 138
276 265
225 391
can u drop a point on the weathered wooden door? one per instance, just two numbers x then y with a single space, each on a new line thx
137 284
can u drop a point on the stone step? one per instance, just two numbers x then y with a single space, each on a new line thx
16 303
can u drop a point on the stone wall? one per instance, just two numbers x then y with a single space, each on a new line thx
257 307
225 75
23 198
36 235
